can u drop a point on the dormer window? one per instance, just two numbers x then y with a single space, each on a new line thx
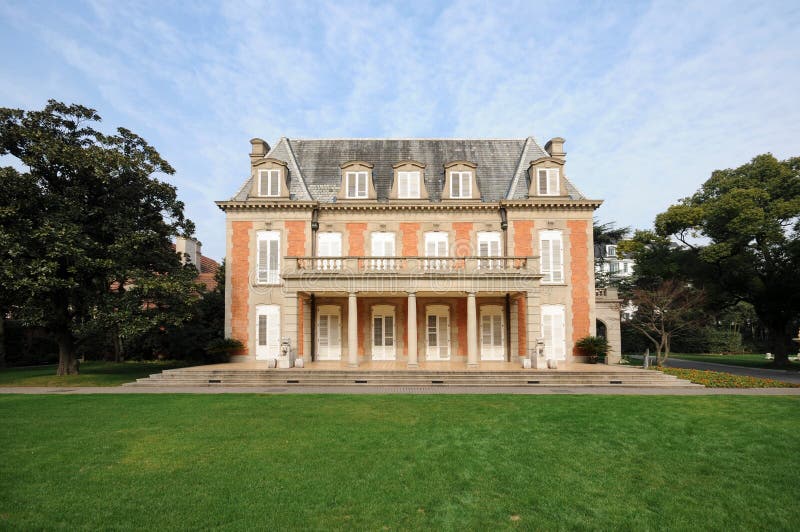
269 183
356 185
548 181
611 251
408 185
460 185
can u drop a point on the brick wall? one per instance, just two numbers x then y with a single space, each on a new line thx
355 238
410 236
579 274
295 238
240 284
463 242
523 238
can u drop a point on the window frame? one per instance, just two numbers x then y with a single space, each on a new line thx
549 172
554 312
270 172
411 176
461 175
356 174
549 271
267 275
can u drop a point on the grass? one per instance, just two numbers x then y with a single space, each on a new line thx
750 361
398 462
91 374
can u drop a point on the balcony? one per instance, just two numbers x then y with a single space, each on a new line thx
403 274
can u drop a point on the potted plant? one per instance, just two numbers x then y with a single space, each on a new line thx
593 347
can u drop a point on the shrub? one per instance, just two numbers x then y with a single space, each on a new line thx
593 347
221 349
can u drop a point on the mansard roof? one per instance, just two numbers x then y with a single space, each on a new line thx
314 165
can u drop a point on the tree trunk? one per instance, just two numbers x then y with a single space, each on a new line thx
118 351
67 362
778 335
2 341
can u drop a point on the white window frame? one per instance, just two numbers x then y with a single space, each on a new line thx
273 176
268 257
382 244
551 253
437 244
492 314
487 240
359 191
326 350
464 192
329 246
384 352
268 332
554 332
552 183
439 351
409 184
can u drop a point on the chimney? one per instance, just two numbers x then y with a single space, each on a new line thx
188 246
258 150
555 147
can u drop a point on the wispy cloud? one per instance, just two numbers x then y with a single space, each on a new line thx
650 96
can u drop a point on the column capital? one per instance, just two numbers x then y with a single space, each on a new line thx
411 293
352 293
472 293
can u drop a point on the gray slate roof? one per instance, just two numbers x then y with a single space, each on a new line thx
315 174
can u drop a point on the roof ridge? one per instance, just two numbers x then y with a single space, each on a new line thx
454 139
300 176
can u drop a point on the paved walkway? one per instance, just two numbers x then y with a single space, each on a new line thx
777 374
545 390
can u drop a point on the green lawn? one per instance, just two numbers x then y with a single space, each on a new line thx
398 462
92 374
750 361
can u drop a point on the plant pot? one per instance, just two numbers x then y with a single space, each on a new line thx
592 359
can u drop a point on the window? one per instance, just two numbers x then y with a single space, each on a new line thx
382 246
269 183
408 185
548 181
329 245
436 246
489 246
551 252
356 185
553 332
460 185
437 332
383 332
329 339
491 330
611 251
269 258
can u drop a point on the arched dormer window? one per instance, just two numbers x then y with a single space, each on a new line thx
460 181
357 181
546 177
409 181
269 179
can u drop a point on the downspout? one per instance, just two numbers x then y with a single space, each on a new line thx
313 297
504 227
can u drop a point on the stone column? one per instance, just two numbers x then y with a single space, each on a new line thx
412 331
352 331
472 331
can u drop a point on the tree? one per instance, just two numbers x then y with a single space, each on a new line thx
743 229
605 234
86 212
666 311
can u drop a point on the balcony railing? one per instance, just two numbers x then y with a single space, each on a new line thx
412 265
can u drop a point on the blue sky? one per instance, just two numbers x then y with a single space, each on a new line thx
651 97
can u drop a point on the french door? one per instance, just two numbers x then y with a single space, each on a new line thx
329 246
437 321
436 246
383 333
329 337
492 332
553 332
268 332
382 246
489 246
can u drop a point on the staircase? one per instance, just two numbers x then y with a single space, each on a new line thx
218 376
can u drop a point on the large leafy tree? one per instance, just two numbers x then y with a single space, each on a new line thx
82 213
605 234
742 228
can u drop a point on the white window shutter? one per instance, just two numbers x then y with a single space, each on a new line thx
558 269
546 260
455 185
542 177
263 260
466 184
552 185
413 184
362 185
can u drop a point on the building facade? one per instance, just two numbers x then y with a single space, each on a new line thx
409 250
